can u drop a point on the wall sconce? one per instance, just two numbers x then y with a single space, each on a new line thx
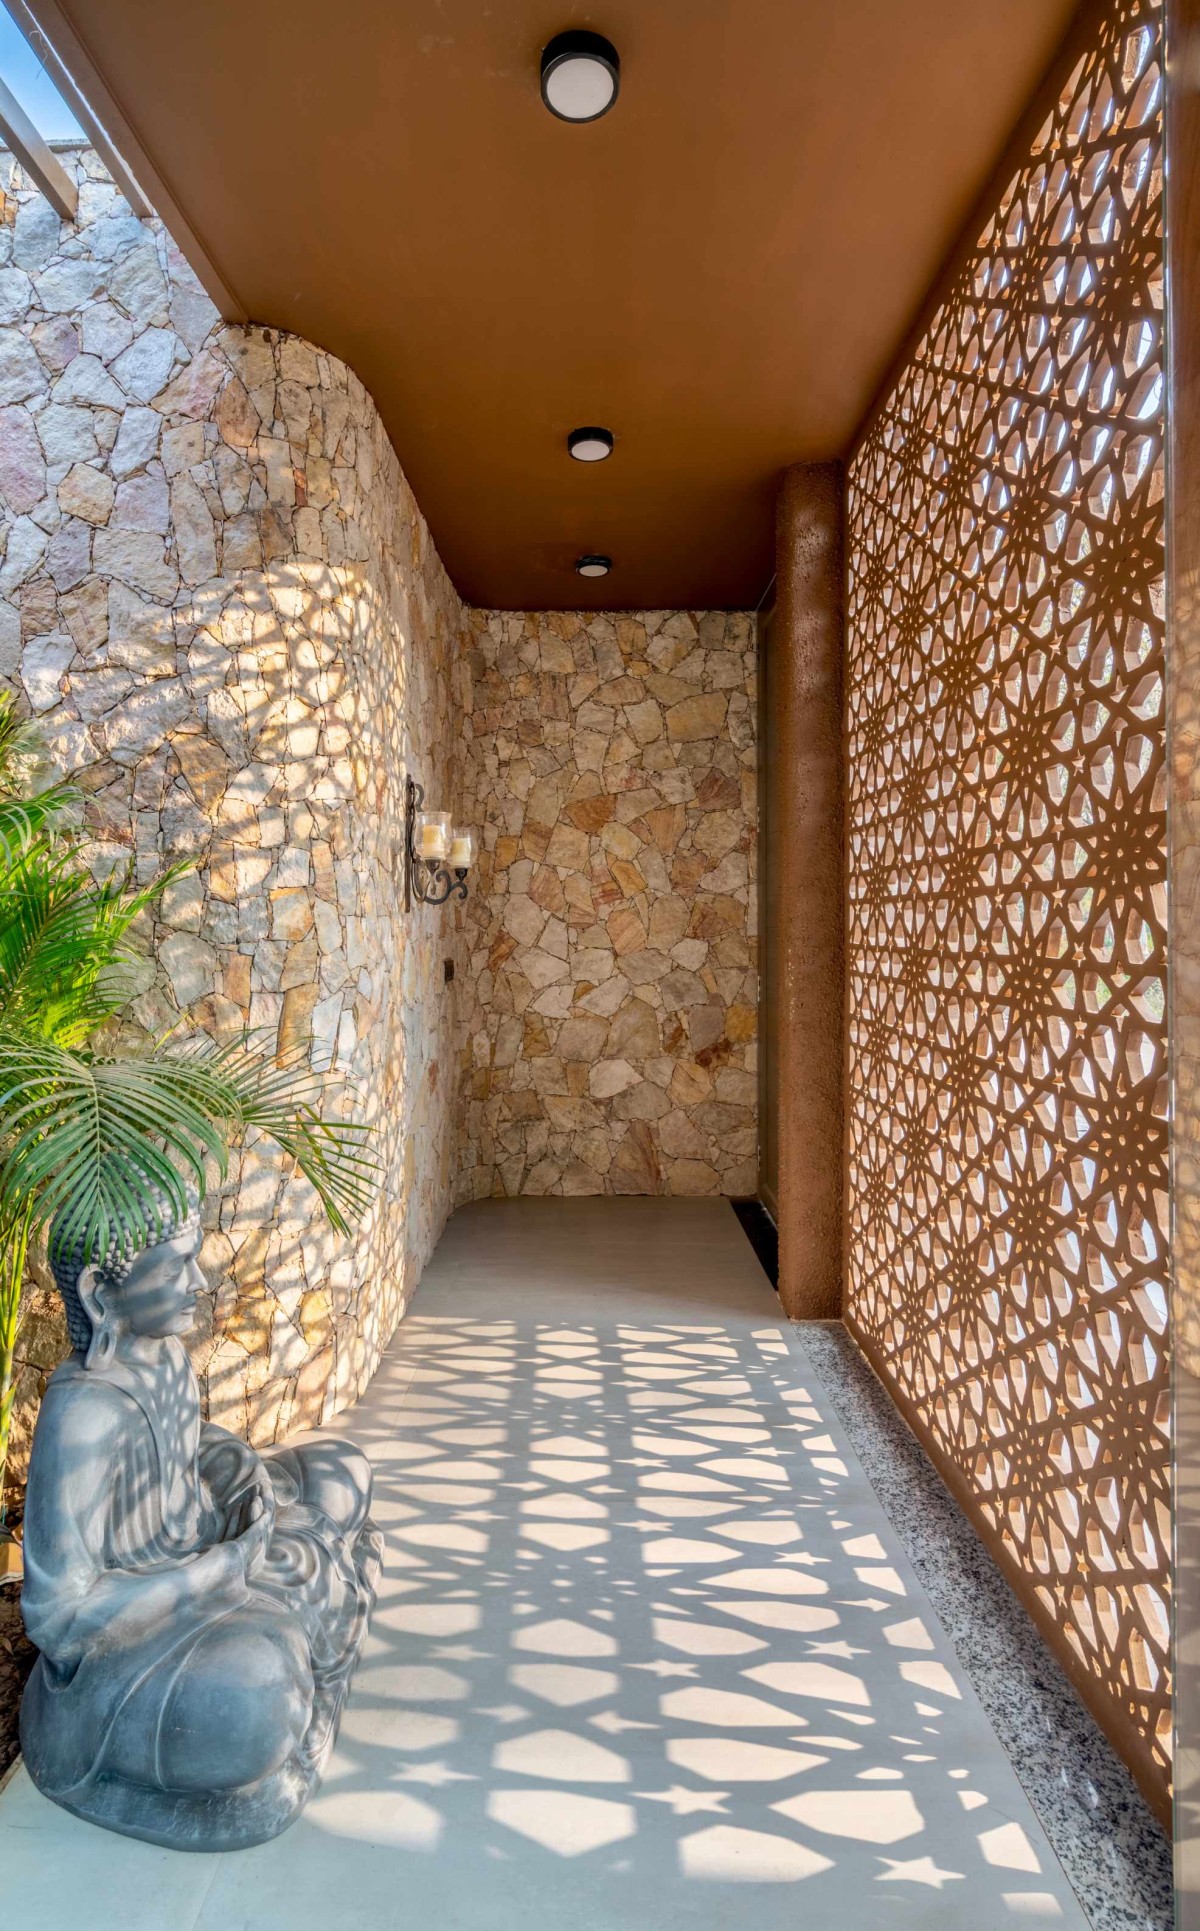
433 850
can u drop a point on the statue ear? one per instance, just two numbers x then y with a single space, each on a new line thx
87 1286
90 1293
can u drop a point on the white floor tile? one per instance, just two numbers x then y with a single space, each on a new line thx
646 1645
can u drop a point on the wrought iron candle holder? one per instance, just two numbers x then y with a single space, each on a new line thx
437 855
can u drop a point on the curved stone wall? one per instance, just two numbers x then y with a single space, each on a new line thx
220 598
218 594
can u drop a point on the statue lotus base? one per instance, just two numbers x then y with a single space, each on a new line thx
210 1820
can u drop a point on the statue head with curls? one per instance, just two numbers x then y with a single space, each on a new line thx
144 1287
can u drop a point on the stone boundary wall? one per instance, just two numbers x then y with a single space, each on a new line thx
220 598
611 1047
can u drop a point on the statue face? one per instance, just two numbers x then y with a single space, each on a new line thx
158 1295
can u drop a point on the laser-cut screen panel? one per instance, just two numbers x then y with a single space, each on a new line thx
1007 1179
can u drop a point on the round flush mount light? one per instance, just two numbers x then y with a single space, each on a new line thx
593 566
581 75
590 445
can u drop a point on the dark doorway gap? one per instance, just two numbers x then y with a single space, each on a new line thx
760 1230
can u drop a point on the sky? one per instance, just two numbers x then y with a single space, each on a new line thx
22 73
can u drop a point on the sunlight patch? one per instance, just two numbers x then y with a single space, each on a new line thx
562 1755
1008 1848
562 1637
871 1816
389 1818
730 1855
812 1679
561 1684
730 1760
561 1821
731 1709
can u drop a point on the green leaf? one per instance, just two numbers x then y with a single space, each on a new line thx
22 748
31 801
22 819
65 962
96 1136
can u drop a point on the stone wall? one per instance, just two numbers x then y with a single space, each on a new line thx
219 596
612 1038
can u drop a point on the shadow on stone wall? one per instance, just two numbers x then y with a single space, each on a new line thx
221 601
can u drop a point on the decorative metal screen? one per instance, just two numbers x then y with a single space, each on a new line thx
1007 879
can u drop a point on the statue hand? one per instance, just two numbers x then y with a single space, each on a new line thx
252 1532
230 1467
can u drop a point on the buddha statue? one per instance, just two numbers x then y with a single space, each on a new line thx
199 1606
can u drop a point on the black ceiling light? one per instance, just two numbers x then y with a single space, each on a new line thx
593 566
590 445
581 75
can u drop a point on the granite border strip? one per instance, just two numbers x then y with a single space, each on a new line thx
1103 1832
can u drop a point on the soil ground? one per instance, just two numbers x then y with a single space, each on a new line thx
17 1657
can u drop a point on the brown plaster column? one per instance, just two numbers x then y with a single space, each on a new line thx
805 786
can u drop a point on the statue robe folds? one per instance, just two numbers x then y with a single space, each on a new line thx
199 1609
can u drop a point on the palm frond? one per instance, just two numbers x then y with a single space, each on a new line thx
31 798
94 1139
22 746
284 1101
65 966
101 1137
22 820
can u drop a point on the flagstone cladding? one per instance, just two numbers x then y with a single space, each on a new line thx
223 604
613 1038
220 598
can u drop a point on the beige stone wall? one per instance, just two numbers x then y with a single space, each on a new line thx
612 1039
219 596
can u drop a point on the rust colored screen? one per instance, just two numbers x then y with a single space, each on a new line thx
1007 1138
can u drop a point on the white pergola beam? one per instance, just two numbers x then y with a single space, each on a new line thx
35 157
56 29
72 97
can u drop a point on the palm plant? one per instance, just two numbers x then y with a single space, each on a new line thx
93 1132
30 802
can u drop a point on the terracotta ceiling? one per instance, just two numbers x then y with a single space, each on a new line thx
720 270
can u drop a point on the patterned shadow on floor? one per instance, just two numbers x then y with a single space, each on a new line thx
640 1646
647 1650
1104 1833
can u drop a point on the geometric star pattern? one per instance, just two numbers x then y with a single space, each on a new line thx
1007 884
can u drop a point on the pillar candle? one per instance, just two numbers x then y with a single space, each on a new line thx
432 841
